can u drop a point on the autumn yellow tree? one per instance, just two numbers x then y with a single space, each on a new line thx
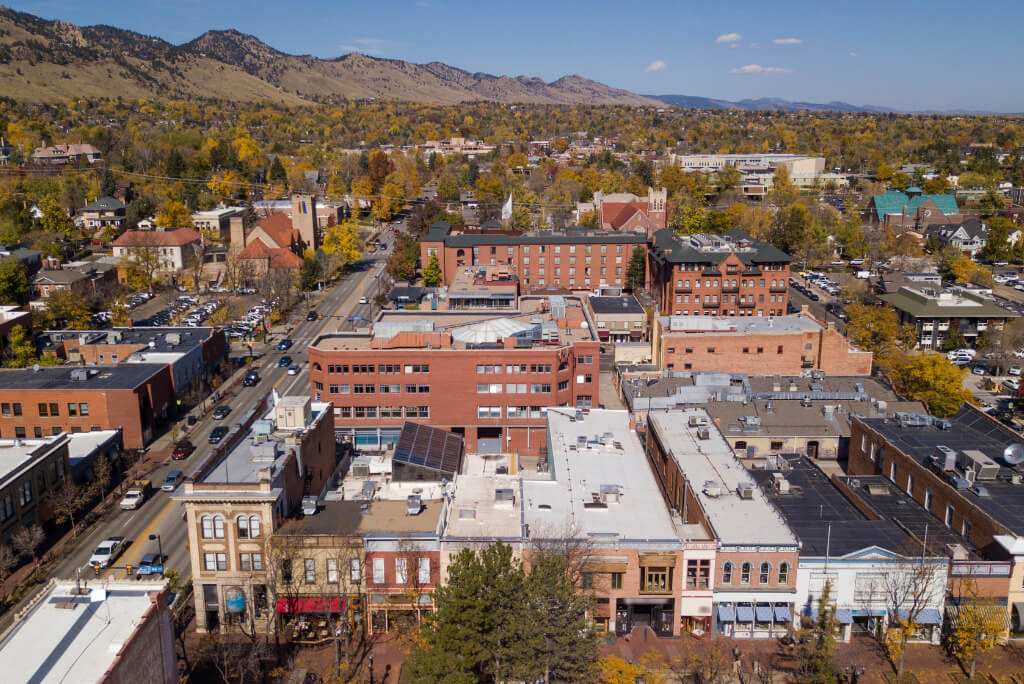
342 244
173 214
929 378
225 184
977 628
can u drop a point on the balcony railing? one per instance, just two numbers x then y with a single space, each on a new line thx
777 288
747 305
683 288
730 288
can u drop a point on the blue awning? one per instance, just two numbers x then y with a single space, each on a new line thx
844 616
764 613
782 614
744 614
726 614
927 616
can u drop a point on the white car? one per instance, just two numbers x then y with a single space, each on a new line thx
1014 370
133 498
364 300
108 550
1012 384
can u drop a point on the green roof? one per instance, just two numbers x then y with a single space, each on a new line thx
914 188
918 305
896 202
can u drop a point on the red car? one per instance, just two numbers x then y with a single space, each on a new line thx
182 449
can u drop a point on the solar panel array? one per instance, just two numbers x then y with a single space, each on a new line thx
431 448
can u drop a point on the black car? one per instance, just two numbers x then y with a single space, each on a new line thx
218 434
251 379
221 412
312 316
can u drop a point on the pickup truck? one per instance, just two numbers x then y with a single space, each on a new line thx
108 551
136 495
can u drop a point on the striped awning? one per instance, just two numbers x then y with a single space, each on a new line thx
998 613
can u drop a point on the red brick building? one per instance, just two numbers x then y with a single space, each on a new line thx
136 397
485 376
718 275
625 211
781 345
572 259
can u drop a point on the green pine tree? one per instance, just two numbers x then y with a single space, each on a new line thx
432 273
818 652
636 274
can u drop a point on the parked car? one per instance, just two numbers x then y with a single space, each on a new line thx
218 434
1014 370
284 345
107 552
221 411
364 300
182 449
172 480
1012 384
293 370
136 495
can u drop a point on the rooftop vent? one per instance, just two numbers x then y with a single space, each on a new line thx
942 424
504 498
703 433
878 490
944 457
610 493
745 490
712 489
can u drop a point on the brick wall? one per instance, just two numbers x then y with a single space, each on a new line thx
685 289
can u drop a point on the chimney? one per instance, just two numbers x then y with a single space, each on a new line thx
237 235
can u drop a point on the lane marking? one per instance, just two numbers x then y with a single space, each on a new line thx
143 536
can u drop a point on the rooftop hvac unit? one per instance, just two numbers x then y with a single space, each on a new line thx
413 504
944 457
712 489
504 498
610 493
696 420
942 424
745 490
984 467
703 433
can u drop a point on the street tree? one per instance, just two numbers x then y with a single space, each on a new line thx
977 628
342 245
66 502
877 329
908 587
66 308
929 378
818 650
28 540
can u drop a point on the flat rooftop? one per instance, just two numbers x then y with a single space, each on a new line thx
598 482
119 377
953 302
716 476
824 520
343 518
626 304
158 339
969 429
533 323
262 447
892 503
810 418
83 444
740 325
57 643
486 507
15 453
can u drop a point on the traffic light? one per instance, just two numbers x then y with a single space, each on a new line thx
96 570
128 571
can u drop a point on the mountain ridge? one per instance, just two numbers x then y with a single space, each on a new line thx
46 60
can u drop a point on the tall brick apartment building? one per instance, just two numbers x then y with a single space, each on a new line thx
718 275
486 376
574 258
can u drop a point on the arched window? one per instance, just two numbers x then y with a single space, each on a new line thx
784 573
316 365
207 523
218 527
765 574
243 526
745 573
727 572
254 526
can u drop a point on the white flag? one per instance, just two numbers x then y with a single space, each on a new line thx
506 211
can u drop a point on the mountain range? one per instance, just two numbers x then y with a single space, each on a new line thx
765 104
46 61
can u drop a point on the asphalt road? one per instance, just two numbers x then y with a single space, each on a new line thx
162 516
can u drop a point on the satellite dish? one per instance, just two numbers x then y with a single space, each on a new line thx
1014 454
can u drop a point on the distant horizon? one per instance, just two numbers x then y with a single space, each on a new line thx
784 51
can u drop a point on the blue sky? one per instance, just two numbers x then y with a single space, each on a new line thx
906 54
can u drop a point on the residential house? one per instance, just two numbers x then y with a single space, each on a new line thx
968 236
914 210
74 153
106 212
171 250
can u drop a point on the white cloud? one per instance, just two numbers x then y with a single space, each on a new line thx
787 41
758 69
729 38
656 65
851 54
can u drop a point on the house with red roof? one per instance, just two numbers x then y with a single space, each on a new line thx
628 212
174 249
279 240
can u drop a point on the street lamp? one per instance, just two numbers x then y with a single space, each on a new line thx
160 550
371 668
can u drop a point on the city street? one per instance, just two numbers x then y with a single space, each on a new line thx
160 515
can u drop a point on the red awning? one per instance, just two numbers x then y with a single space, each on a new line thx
636 333
603 333
309 605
